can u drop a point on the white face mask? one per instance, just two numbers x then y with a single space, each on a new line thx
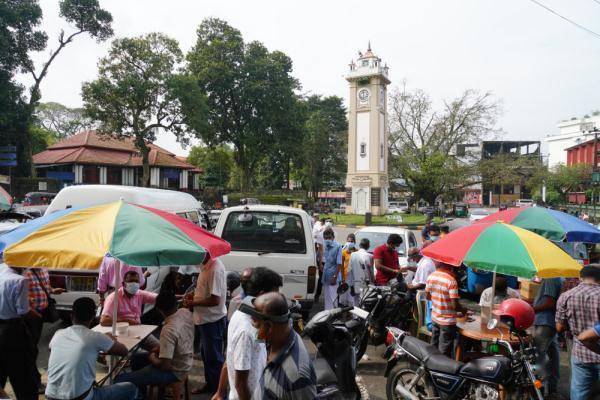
132 287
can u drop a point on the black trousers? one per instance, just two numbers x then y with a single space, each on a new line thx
35 326
17 362
443 337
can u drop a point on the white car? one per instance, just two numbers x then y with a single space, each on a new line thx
524 203
478 213
397 207
378 235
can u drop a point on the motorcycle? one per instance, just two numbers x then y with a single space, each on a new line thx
383 306
335 361
416 371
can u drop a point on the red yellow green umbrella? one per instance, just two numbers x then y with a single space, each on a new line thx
505 249
134 234
5 200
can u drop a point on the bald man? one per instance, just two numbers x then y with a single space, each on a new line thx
289 373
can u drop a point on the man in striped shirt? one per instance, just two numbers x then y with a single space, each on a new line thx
442 290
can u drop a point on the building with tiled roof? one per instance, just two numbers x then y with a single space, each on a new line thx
90 158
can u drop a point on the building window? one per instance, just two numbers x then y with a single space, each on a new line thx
363 150
365 63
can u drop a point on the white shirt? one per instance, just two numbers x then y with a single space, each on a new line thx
486 295
318 233
425 267
188 270
211 280
360 269
244 353
72 363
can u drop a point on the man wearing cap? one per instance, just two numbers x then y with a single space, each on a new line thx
289 373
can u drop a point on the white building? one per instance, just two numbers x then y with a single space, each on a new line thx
572 132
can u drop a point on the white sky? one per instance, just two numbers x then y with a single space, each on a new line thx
543 68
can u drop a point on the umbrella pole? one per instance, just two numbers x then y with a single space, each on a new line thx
113 359
493 294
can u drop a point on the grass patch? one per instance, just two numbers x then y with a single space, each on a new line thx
407 219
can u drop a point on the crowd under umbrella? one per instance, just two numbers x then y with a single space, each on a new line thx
79 238
502 248
551 224
5 200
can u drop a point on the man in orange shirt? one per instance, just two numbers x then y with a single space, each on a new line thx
442 290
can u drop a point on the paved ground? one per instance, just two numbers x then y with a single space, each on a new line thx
370 370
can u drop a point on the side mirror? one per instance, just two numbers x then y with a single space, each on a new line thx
492 323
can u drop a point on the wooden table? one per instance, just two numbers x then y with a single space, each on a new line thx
132 340
472 329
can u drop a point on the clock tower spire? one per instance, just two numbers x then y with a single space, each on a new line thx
367 179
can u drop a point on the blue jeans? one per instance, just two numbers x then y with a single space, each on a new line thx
583 378
117 391
212 337
143 373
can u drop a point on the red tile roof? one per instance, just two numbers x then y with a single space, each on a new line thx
91 148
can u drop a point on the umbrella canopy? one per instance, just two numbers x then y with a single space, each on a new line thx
551 224
5 200
136 235
503 248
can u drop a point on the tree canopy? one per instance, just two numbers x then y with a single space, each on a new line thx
61 120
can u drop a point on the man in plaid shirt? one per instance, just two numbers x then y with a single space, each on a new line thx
577 310
38 279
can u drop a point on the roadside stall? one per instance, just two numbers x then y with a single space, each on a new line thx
78 238
499 248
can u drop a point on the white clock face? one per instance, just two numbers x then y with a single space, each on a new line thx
363 96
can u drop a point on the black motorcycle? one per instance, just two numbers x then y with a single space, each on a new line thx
383 306
417 371
335 362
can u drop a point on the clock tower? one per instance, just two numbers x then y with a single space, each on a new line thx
367 180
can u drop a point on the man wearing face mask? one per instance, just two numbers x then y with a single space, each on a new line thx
332 257
289 373
434 233
386 260
131 301
246 356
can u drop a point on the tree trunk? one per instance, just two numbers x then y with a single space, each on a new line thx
140 143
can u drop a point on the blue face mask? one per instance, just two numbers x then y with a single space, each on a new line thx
328 243
434 238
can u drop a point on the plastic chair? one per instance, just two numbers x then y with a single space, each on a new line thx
176 390
421 300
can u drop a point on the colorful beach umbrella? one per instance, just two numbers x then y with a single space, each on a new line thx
78 238
505 249
5 200
551 224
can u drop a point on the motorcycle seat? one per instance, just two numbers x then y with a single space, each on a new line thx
419 348
494 369
325 375
443 364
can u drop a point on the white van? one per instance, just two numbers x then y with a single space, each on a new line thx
276 237
84 283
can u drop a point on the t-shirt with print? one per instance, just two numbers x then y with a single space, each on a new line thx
177 342
442 287
244 353
389 258
72 362
211 281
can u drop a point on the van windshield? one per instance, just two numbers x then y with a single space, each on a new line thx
265 232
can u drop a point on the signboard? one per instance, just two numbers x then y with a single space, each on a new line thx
8 163
43 186
8 149
8 156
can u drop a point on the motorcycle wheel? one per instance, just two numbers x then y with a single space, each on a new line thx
403 373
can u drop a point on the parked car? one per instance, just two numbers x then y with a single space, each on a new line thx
524 203
277 237
478 213
84 283
378 235
401 207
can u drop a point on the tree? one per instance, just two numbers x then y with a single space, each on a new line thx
138 92
422 140
250 92
323 161
61 120
86 16
217 164
561 179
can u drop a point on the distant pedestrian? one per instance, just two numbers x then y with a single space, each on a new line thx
17 362
578 310
442 290
435 233
289 374
501 293
72 362
386 261
210 313
425 230
544 334
332 258
360 271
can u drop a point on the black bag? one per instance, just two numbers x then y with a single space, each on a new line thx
49 314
